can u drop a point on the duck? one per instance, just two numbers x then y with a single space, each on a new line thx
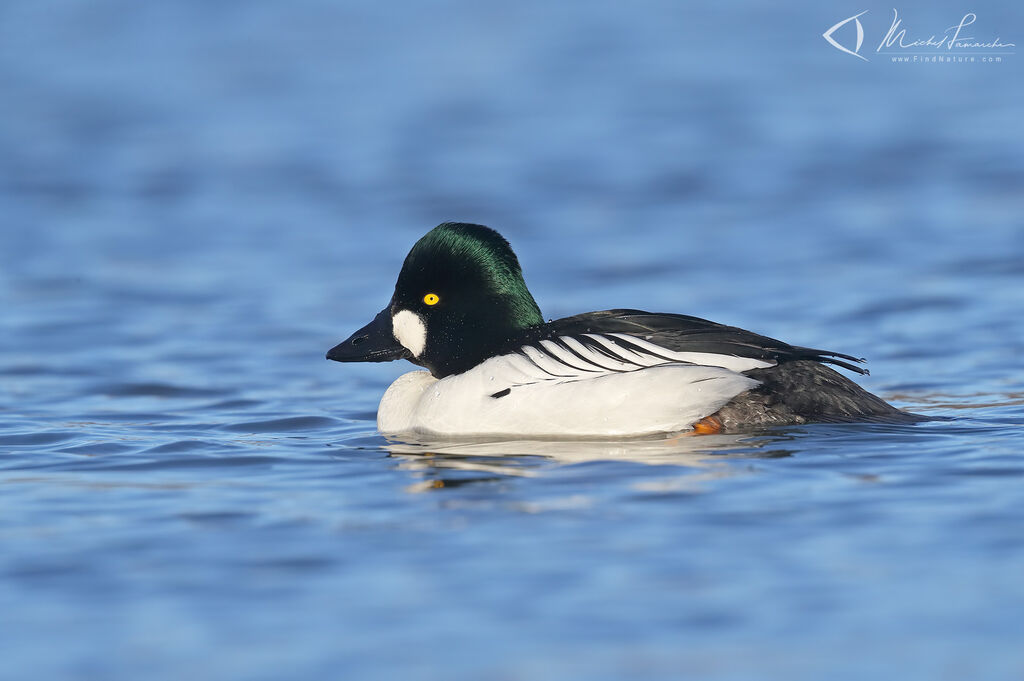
493 367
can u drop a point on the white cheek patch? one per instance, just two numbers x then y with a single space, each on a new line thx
410 331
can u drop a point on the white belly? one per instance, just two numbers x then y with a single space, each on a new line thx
663 398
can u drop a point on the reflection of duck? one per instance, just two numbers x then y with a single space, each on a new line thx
462 310
450 463
677 450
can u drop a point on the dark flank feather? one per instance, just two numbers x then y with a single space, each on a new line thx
807 392
683 333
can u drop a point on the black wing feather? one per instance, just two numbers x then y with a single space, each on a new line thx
682 333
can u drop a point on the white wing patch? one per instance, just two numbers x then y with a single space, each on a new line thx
574 358
711 359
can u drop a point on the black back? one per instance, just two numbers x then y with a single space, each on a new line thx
683 333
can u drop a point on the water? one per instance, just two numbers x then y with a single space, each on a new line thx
198 201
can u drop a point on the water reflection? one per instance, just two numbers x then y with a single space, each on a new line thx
451 463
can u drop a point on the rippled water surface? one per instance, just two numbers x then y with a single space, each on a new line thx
199 199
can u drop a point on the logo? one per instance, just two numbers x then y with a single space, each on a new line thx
958 43
827 35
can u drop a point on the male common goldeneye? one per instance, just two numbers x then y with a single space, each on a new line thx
462 310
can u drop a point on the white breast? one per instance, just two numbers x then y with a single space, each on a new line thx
551 391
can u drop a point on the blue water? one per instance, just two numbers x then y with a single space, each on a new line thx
199 199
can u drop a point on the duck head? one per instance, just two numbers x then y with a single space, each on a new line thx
460 298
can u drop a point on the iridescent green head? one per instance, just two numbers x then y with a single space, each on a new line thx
460 298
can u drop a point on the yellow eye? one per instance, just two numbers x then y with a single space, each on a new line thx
431 299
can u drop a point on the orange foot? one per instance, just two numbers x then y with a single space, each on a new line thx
709 425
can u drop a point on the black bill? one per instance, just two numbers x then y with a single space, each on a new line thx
374 342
